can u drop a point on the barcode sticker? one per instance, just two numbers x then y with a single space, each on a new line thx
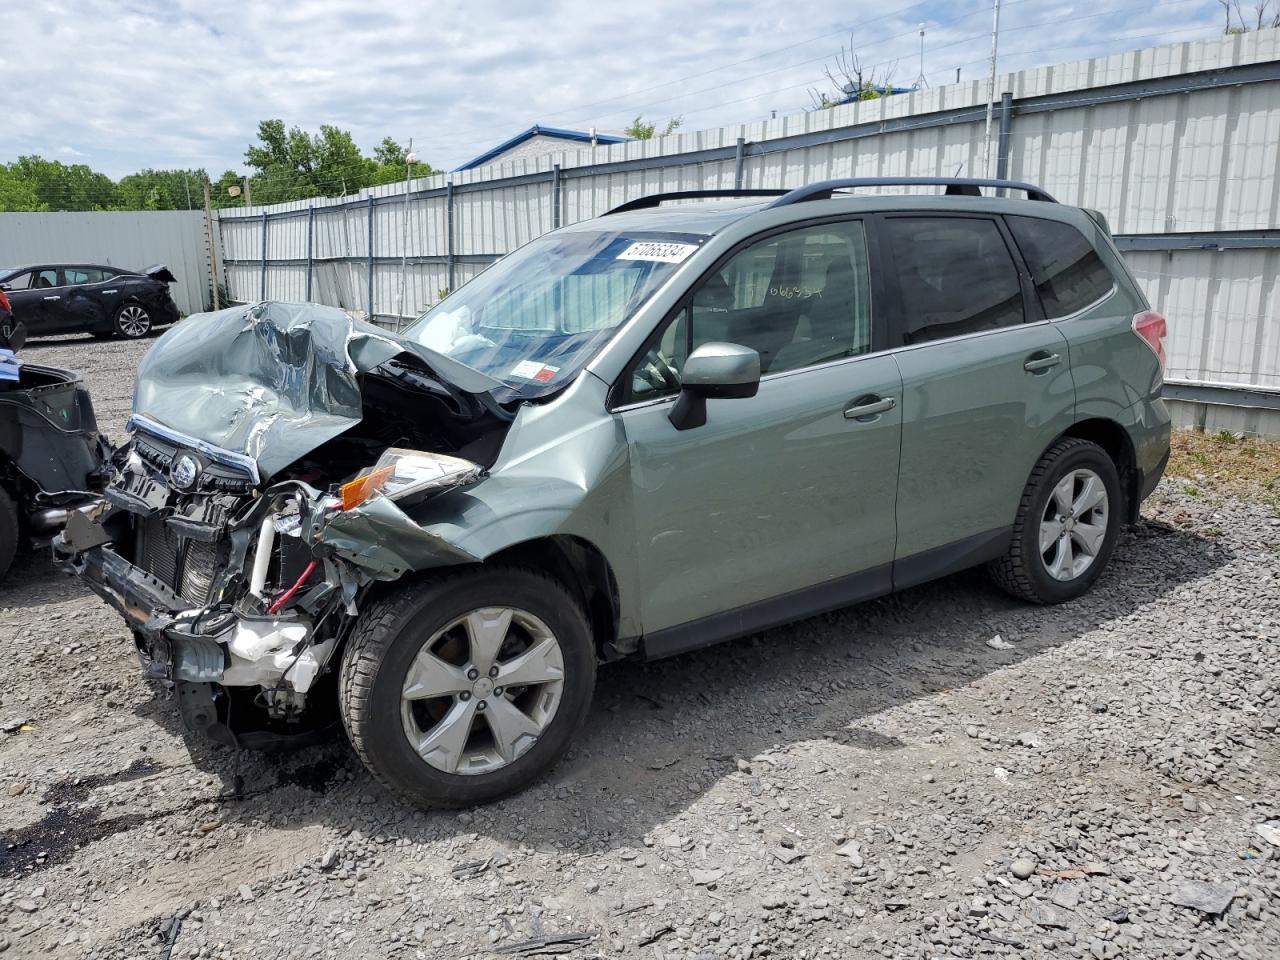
658 251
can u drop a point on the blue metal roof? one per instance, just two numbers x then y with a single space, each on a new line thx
579 136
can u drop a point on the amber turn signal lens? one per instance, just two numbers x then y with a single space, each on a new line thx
360 489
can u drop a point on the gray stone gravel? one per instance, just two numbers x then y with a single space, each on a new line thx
878 782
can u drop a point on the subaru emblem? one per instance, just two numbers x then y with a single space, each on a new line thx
184 472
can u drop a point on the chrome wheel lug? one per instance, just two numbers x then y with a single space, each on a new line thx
481 705
473 673
465 695
493 671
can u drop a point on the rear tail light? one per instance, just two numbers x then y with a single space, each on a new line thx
1152 328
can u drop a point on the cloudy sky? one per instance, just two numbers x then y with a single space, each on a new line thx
182 83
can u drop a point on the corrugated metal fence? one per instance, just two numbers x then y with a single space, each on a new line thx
1178 146
133 241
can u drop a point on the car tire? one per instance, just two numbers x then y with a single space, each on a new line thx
132 321
1054 554
415 619
9 531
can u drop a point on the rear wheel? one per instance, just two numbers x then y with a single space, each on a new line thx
8 531
467 687
133 321
1066 527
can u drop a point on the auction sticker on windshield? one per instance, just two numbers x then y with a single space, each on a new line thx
532 370
658 251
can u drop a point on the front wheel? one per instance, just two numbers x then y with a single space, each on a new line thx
467 687
1066 527
133 321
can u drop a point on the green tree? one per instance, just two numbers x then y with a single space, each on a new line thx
59 186
160 190
293 164
219 195
389 162
640 129
287 164
16 194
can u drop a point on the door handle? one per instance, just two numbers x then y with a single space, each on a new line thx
1041 361
864 408
53 298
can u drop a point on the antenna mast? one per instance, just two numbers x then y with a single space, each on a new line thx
921 82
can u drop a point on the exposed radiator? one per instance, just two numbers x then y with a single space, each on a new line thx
160 553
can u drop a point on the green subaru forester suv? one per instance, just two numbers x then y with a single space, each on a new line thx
696 417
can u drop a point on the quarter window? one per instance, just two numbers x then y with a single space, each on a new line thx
1066 269
955 276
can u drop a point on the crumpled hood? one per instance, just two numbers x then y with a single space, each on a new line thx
272 380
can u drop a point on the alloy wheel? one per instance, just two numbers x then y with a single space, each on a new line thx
133 321
1074 525
480 692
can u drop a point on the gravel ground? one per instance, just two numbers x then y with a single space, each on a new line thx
890 780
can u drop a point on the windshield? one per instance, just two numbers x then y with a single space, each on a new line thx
533 319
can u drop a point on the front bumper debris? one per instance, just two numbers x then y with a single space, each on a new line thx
278 573
204 645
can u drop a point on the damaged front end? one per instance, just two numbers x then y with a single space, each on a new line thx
276 455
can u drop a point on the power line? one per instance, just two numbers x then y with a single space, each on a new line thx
862 46
953 43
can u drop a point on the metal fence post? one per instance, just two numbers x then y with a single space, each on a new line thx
737 164
311 227
556 216
262 294
1002 144
369 262
448 230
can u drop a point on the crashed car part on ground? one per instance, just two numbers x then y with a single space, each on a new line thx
51 454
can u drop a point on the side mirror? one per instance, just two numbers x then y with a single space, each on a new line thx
715 370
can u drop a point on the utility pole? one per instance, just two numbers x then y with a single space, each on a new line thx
213 256
248 197
409 160
991 94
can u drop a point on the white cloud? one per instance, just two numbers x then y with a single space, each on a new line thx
139 83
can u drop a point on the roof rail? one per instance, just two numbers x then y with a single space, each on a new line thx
956 186
654 199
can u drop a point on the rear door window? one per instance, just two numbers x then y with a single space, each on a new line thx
1066 269
955 275
75 275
